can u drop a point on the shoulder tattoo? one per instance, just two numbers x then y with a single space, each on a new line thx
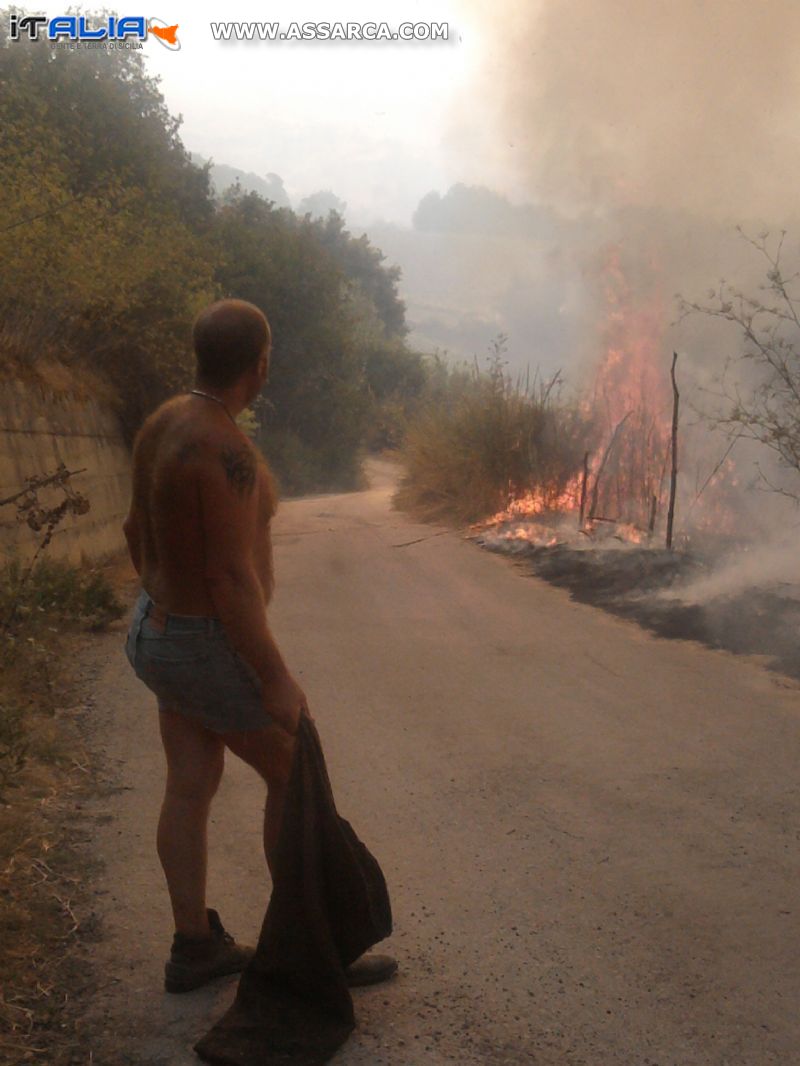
188 451
240 468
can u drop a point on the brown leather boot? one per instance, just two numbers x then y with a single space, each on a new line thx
194 962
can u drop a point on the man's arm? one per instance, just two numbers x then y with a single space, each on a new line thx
130 527
229 511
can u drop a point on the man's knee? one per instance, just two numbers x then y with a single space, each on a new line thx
269 751
195 759
197 784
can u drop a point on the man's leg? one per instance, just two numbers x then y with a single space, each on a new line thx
269 751
195 760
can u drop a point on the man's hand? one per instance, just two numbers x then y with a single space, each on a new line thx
285 701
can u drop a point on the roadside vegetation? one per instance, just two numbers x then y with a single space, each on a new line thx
110 245
757 395
480 438
46 607
44 771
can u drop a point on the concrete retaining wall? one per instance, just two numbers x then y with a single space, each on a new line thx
41 427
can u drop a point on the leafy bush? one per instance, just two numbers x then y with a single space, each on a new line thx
301 468
396 379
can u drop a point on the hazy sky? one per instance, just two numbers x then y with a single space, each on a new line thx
691 104
379 123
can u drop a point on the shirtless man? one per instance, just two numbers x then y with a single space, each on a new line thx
198 532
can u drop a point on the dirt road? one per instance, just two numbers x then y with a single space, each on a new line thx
590 835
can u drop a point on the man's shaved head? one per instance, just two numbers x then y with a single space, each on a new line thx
229 337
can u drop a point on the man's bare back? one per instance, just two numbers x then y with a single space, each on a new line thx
198 532
173 450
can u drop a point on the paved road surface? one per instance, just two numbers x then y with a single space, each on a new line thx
590 835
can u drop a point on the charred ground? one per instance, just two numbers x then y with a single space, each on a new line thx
652 587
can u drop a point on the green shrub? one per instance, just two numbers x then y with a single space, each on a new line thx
302 468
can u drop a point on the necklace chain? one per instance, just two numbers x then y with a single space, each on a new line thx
216 399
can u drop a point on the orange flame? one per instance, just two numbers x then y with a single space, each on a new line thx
629 401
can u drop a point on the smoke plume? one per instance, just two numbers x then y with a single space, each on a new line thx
690 105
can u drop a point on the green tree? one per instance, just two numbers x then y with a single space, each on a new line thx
315 417
104 221
320 204
110 242
363 263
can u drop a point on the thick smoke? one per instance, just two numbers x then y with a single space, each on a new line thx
777 569
688 105
655 128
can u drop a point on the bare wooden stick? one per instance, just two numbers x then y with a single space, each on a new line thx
603 461
653 508
584 483
60 476
711 476
673 481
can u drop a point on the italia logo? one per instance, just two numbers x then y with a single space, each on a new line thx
78 28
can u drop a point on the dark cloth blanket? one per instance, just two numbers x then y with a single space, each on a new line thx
329 904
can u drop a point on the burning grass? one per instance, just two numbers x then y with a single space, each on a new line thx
44 772
482 439
586 495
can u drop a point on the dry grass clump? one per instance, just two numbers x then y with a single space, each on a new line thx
481 439
44 772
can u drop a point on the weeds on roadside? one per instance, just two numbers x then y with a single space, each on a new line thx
42 768
13 745
482 438
42 516
43 604
57 590
36 606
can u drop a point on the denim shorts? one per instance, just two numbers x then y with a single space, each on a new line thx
191 666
